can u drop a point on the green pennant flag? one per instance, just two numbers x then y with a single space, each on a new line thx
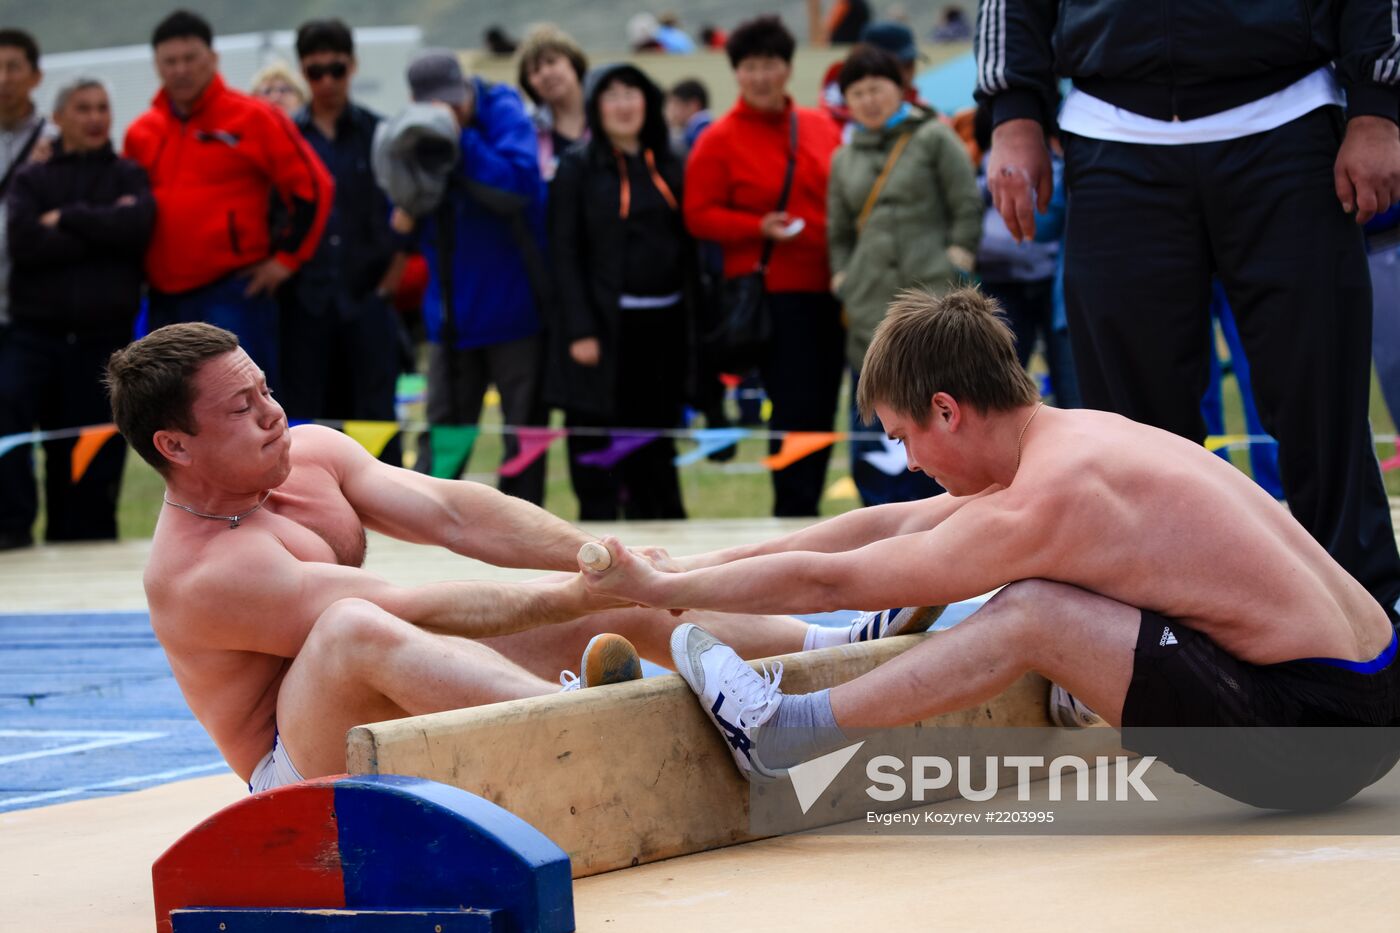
452 446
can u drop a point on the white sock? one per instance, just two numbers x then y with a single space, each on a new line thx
824 636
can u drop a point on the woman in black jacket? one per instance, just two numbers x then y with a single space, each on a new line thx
623 264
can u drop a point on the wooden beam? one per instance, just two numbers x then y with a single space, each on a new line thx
632 773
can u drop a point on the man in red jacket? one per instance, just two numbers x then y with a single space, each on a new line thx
215 156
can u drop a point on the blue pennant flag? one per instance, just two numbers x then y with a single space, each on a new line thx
10 441
711 440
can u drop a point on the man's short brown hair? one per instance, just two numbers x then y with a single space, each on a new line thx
956 343
150 382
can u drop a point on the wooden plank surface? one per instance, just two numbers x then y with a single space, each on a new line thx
632 773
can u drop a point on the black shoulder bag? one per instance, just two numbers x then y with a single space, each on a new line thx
745 328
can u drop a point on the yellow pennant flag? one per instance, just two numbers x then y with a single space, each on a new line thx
372 435
843 488
89 442
1218 441
799 444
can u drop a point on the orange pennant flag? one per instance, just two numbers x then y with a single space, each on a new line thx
88 444
799 444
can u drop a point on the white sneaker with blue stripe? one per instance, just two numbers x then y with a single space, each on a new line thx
738 699
887 623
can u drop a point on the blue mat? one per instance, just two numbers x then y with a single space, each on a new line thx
89 708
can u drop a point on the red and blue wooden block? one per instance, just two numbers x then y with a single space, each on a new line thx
366 853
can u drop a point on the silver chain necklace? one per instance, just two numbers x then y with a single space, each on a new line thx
232 520
1022 436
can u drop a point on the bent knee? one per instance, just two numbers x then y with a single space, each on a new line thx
1034 609
1035 594
357 623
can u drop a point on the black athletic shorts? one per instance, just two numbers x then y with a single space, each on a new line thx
1303 734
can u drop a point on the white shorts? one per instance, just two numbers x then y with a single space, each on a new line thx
274 770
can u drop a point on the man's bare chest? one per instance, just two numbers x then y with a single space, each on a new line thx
315 522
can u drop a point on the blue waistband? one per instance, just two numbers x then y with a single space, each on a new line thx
1379 663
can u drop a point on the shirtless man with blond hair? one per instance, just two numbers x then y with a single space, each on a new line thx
278 638
1147 576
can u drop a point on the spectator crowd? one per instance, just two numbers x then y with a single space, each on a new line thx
571 237
577 243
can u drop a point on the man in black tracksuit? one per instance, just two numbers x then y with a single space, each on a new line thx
78 226
1226 137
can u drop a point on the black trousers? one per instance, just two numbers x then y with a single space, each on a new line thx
457 382
650 394
342 363
802 376
52 381
1150 224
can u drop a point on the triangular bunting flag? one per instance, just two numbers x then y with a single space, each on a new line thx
88 444
533 443
622 444
372 435
1218 441
891 460
10 441
799 444
843 488
711 440
452 447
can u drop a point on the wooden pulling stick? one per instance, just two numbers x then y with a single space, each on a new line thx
595 557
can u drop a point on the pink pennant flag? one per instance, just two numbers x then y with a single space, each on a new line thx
533 443
1390 464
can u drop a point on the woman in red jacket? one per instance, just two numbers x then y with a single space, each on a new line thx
734 182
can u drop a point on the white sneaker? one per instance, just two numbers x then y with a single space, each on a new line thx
888 623
1068 713
737 699
607 659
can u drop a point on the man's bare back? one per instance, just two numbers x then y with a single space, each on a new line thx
1157 522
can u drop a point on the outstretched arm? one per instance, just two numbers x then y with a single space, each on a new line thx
258 597
467 518
849 531
971 553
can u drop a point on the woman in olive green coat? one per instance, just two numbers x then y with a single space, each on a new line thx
921 227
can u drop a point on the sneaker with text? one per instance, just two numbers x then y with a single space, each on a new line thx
738 699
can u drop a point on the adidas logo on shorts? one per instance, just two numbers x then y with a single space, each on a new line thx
1167 638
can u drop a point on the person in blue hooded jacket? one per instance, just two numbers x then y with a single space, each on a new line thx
483 248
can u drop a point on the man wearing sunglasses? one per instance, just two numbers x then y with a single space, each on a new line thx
337 323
